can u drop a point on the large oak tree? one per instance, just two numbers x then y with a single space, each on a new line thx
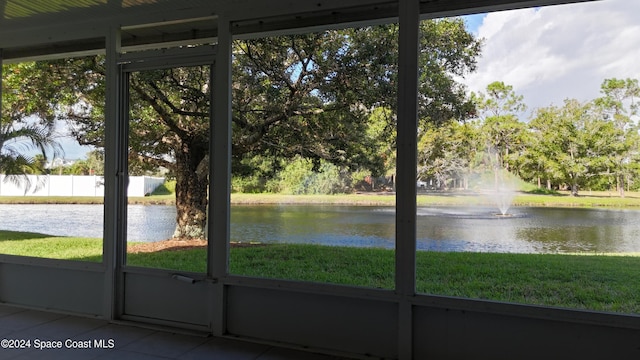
309 95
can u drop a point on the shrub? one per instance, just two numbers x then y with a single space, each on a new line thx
167 188
298 178
248 184
293 179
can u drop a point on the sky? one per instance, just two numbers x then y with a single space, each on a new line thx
550 54
72 150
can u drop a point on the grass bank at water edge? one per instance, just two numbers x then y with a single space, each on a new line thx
593 282
632 200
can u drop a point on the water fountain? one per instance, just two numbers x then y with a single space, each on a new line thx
503 198
498 188
494 193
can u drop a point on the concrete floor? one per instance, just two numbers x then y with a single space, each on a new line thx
31 328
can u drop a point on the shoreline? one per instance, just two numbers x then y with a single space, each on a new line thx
604 200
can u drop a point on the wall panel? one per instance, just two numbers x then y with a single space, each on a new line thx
312 320
77 291
441 333
161 297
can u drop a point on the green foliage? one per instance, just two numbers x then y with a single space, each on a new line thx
167 188
331 95
357 180
447 51
327 180
619 106
293 177
248 185
378 143
500 100
540 191
575 143
593 145
254 174
299 177
443 151
27 123
502 133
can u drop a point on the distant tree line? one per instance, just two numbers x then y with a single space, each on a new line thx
578 145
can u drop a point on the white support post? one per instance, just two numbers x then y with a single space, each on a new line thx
113 179
409 21
220 175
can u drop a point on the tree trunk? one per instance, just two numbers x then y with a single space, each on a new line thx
191 193
621 185
574 189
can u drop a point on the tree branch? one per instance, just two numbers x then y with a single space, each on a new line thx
174 109
166 116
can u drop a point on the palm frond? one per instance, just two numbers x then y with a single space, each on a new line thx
18 140
18 170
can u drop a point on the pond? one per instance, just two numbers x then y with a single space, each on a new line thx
477 229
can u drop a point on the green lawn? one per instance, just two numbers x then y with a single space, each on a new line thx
594 282
598 282
47 246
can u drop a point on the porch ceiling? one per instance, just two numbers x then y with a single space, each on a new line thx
43 28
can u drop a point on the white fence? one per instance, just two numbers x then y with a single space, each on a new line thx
72 185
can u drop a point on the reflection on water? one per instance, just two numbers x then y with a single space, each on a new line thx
145 222
477 229
61 220
150 222
328 225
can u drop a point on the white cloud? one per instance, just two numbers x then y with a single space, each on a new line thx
553 53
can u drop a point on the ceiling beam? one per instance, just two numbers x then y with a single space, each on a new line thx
82 31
